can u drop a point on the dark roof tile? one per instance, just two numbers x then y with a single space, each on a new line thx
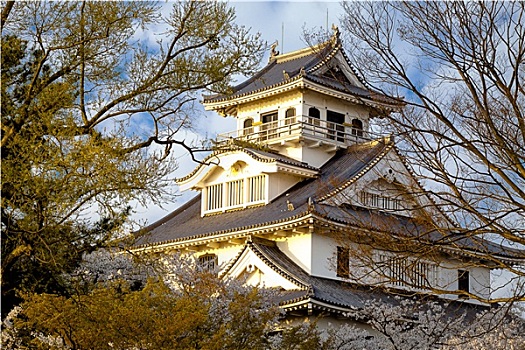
187 222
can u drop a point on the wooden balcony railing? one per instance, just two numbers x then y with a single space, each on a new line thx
304 126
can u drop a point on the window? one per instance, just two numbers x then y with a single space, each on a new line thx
257 188
343 262
336 129
247 127
464 281
376 201
314 116
214 197
269 127
406 272
357 127
290 114
235 190
208 262
237 193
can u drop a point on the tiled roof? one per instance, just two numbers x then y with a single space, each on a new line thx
325 290
307 198
401 226
336 293
186 222
258 155
304 65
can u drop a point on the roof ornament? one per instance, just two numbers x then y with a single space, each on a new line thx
335 37
289 205
310 203
302 72
273 51
286 75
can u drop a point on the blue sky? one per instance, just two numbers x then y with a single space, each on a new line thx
275 20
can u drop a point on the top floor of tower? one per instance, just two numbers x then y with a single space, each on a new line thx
305 104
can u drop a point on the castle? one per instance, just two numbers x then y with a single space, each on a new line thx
306 198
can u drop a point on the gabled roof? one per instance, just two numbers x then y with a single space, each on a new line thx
186 222
259 155
317 290
318 65
307 200
325 294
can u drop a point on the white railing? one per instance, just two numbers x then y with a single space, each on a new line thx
309 127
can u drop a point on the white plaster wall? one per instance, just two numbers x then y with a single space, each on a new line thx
279 103
224 254
479 278
299 249
326 322
279 183
323 258
316 156
323 103
480 281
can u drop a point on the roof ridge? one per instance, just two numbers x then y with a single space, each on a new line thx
305 51
365 167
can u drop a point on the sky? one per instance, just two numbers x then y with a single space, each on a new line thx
283 21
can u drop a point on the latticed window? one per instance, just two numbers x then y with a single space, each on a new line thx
405 272
214 197
257 188
235 192
377 201
208 262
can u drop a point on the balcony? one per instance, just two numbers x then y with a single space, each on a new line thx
312 131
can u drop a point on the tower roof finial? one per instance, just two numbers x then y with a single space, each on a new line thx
335 36
274 52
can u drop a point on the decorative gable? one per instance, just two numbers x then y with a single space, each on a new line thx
250 266
239 178
387 185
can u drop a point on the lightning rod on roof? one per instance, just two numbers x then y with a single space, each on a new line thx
327 19
282 38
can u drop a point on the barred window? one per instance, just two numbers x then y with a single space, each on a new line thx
257 188
214 197
377 201
237 193
406 272
208 262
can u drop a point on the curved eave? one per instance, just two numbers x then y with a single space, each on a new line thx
354 98
234 100
298 82
336 224
226 235
266 166
309 303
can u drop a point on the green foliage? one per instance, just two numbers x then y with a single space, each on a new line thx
91 111
114 317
